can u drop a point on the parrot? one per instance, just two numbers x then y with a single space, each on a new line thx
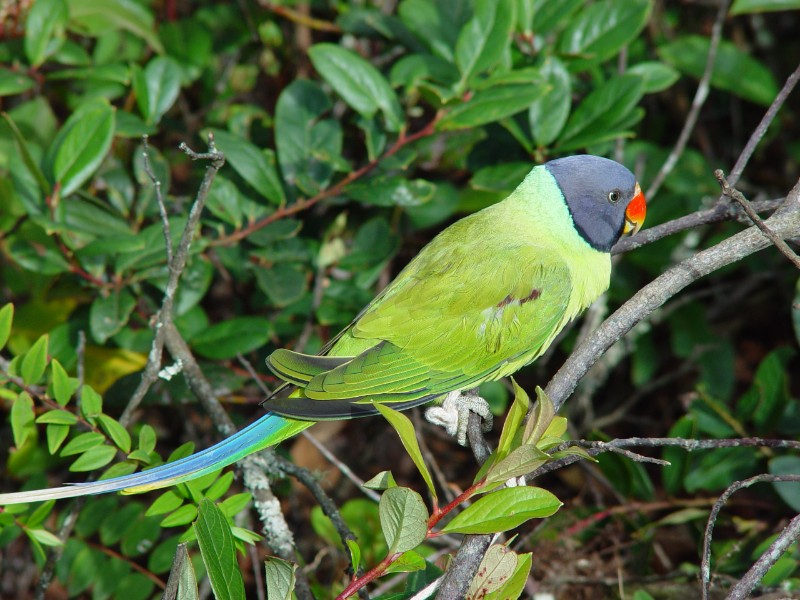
484 298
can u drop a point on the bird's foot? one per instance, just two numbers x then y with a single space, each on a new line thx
453 414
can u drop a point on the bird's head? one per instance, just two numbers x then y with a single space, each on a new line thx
603 198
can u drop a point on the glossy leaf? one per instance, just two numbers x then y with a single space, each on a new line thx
657 76
484 38
157 87
165 503
44 29
58 417
218 552
91 402
35 361
408 562
359 83
551 14
735 71
63 385
741 7
118 434
789 491
229 338
82 443
257 167
180 517
503 510
22 418
96 18
82 145
519 461
94 458
56 434
404 519
393 191
548 113
109 314
492 104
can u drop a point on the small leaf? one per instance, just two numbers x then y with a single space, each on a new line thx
504 509
109 314
22 418
58 417
157 87
280 578
35 361
97 18
741 7
492 104
227 339
657 76
484 38
91 402
408 562
13 83
789 491
548 113
165 503
182 516
235 504
44 537
83 442
220 486
355 553
382 481
118 434
520 461
94 458
147 439
359 83
404 519
405 429
56 434
218 552
257 167
63 385
6 318
514 420
543 414
496 568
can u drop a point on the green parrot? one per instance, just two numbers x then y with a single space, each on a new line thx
484 298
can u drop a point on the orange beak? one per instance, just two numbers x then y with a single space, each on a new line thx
635 213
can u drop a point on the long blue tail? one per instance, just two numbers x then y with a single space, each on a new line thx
269 430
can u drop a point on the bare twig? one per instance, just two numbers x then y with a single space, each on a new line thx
734 194
162 208
697 103
751 580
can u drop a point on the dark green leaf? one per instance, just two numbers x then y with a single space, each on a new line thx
109 314
226 340
6 318
484 38
657 76
359 83
12 83
82 145
393 191
602 29
550 14
44 29
789 491
502 178
673 475
492 104
157 88
283 283
218 552
257 167
404 519
97 18
503 510
405 429
548 113
735 71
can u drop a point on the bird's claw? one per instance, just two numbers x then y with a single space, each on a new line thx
453 414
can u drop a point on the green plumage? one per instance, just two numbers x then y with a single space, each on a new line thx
487 296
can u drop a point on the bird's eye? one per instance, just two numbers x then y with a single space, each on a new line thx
614 196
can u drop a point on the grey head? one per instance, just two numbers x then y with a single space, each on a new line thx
603 198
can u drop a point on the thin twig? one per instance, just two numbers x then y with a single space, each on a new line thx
705 565
734 194
697 103
162 208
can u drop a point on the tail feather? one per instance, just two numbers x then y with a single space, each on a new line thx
267 431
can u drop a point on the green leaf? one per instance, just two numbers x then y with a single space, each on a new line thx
13 83
504 509
239 335
514 420
484 39
6 318
306 144
405 429
550 14
94 458
603 29
22 418
741 7
393 191
187 582
83 442
789 491
548 113
404 519
540 420
735 71
44 29
157 87
56 434
44 537
382 481
91 402
359 83
603 115
35 361
58 417
795 312
63 385
673 476
109 314
520 461
82 145
97 18
283 283
492 104
165 503
355 552
657 76
257 167
280 578
218 552
220 486
147 439
408 562
118 434
182 516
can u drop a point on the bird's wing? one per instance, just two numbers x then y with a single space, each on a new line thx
437 329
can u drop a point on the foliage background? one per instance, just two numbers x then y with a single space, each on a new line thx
354 131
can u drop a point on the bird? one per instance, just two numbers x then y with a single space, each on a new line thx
487 296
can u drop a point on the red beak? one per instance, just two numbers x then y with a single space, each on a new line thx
635 213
